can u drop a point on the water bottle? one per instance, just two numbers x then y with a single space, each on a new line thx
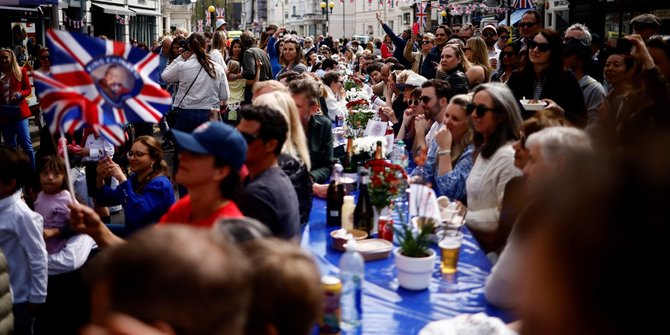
399 155
352 270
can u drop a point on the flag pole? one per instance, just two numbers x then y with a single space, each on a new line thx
66 158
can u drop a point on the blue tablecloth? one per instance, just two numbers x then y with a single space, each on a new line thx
389 309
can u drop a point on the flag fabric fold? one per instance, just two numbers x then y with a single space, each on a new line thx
101 84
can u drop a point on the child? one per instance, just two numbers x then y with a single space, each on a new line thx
236 83
21 240
52 202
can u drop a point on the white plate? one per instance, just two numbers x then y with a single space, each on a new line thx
533 107
374 248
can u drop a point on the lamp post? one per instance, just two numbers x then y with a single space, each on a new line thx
443 13
326 11
282 11
212 17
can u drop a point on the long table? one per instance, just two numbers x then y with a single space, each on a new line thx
389 309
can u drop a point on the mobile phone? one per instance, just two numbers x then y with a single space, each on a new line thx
622 45
415 28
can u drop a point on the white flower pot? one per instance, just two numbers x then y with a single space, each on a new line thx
414 273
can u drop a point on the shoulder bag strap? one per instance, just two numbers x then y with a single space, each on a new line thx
189 88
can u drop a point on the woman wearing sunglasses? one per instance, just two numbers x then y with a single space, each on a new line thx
407 131
449 158
542 77
146 194
509 58
496 120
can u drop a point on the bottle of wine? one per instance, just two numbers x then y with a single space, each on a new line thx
364 213
378 151
333 205
349 164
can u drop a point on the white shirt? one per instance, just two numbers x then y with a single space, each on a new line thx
486 186
73 256
98 148
21 241
503 285
217 57
206 92
335 107
430 136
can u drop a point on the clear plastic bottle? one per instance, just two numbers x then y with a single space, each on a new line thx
352 271
399 155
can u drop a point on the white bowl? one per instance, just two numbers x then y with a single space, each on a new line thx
533 106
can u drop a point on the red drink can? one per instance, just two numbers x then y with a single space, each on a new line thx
386 228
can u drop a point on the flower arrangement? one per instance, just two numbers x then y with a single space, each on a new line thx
352 83
386 182
357 117
366 146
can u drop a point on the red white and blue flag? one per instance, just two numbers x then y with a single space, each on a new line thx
523 4
421 13
99 83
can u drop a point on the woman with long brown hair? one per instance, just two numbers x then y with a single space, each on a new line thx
146 194
202 84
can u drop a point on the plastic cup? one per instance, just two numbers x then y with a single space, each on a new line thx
450 247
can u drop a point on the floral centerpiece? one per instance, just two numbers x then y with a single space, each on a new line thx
358 106
364 148
386 182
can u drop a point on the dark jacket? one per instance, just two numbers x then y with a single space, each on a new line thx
249 68
458 81
564 89
429 65
6 317
399 46
299 176
320 143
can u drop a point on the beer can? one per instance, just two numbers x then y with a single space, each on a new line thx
332 290
386 228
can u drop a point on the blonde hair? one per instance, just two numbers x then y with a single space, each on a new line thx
234 67
457 149
296 144
273 84
13 64
465 63
480 55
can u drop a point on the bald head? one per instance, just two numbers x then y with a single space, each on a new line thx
166 47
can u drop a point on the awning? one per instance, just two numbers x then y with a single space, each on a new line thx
114 9
516 16
28 2
19 8
146 12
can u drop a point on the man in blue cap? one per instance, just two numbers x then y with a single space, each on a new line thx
210 159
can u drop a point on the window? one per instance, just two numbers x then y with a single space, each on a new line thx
294 11
405 19
391 24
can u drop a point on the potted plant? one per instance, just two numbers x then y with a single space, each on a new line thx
414 259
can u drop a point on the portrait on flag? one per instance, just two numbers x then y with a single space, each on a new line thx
113 78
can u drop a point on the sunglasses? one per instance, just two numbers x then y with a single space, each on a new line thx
137 154
249 137
488 34
504 37
542 47
426 42
413 102
508 54
480 110
425 99
526 24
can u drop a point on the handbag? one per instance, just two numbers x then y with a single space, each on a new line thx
10 112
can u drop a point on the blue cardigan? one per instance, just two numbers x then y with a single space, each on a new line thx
140 209
273 54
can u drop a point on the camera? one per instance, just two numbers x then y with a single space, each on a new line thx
183 44
621 45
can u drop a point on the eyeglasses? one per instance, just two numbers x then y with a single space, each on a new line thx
413 102
425 99
249 137
488 34
504 37
542 47
480 110
526 24
508 54
426 42
137 154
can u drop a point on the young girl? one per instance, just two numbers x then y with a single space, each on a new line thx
236 83
52 202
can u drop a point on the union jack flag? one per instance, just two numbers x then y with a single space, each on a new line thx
522 4
102 84
421 13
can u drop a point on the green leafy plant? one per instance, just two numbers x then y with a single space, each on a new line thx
412 245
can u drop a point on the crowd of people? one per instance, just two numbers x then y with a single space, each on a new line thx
563 199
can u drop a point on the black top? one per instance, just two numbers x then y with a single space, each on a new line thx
302 184
458 81
271 199
320 143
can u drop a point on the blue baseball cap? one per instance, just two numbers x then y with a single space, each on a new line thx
217 139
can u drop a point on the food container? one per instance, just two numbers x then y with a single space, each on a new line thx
374 248
533 105
339 237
